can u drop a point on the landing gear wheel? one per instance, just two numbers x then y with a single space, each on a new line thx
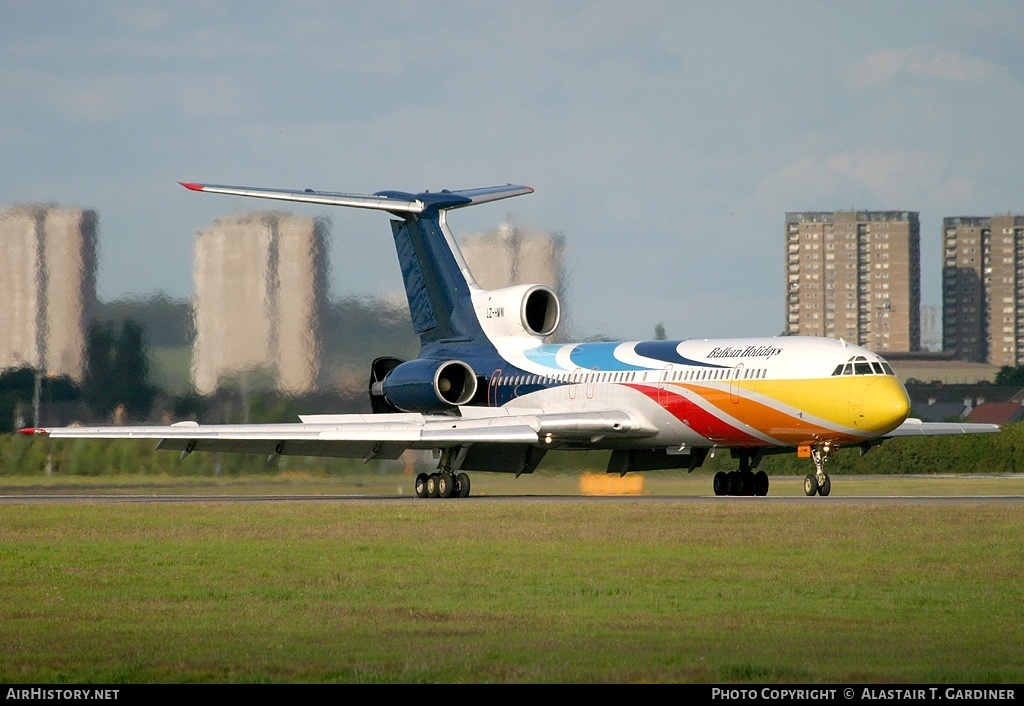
432 485
445 484
810 484
721 483
421 485
761 483
743 483
826 487
462 485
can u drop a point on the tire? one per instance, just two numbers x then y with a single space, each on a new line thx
462 485
742 483
826 487
761 483
721 483
432 485
421 485
445 485
811 485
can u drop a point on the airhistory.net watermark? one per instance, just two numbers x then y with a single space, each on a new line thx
41 694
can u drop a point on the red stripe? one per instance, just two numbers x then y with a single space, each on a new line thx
700 420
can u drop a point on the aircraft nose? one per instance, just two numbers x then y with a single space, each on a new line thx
886 404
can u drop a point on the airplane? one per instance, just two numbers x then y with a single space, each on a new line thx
490 392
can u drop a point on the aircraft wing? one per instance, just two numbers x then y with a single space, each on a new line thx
915 427
370 436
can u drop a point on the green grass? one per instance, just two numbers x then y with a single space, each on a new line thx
529 591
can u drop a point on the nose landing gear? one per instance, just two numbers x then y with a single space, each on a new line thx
818 483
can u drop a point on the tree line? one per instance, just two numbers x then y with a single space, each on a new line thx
117 379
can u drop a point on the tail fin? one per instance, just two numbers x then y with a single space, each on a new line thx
437 280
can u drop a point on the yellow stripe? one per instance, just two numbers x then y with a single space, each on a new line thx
861 406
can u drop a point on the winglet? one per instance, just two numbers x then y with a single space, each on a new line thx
32 431
191 186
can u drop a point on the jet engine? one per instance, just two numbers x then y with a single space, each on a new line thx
526 309
420 385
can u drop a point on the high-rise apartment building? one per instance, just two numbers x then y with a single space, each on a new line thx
48 279
855 275
261 285
508 255
983 288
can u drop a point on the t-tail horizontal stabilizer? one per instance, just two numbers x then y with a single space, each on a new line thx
397 202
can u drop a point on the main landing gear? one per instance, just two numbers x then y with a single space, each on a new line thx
443 484
818 483
743 481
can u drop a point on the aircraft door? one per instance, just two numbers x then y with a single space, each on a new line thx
664 377
734 384
492 388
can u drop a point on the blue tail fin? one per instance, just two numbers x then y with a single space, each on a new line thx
437 280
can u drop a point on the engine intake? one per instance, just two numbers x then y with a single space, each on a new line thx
540 311
428 385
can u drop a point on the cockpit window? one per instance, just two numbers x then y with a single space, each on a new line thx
859 365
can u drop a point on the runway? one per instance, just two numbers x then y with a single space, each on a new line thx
83 498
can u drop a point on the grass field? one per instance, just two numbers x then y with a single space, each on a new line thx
490 590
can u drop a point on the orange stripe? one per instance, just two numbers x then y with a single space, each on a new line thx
767 420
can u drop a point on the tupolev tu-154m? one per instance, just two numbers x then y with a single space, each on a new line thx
489 392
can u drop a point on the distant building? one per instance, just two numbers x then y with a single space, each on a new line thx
508 255
940 369
986 403
48 283
855 275
983 288
261 287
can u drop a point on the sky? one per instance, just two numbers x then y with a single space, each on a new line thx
665 140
